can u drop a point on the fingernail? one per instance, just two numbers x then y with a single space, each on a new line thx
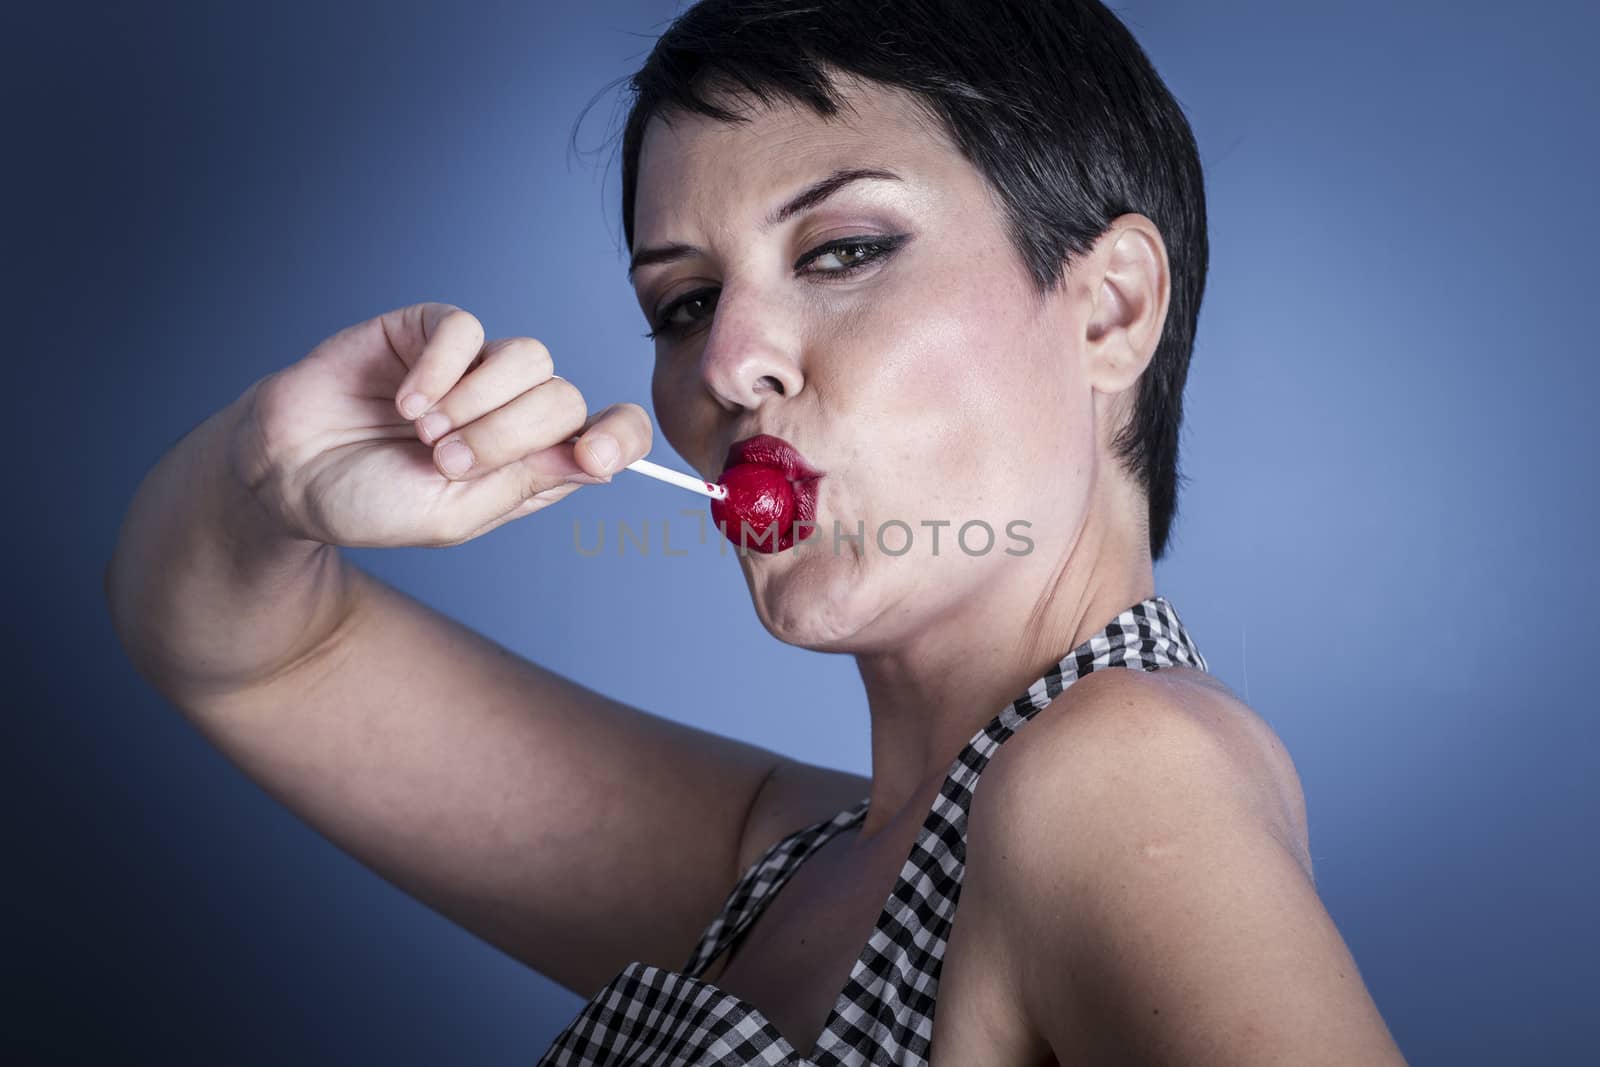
434 425
413 404
603 447
455 458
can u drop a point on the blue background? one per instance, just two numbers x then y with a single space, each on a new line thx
1385 546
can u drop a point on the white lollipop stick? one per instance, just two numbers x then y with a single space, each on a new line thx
682 481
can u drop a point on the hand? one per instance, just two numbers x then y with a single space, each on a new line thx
328 449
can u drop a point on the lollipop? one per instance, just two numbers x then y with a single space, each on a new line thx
762 498
766 487
771 489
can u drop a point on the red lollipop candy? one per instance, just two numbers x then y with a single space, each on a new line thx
761 497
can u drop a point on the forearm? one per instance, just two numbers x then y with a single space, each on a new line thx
207 592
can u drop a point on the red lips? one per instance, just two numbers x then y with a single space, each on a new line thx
770 487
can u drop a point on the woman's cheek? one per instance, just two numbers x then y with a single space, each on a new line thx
676 393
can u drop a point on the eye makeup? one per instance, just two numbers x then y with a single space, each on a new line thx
874 247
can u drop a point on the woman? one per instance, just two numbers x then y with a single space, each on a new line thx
929 268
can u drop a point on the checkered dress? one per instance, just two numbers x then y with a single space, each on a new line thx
651 1017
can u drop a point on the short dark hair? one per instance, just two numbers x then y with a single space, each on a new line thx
1054 103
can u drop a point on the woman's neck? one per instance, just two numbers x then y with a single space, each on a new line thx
933 691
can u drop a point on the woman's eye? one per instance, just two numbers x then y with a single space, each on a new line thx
666 326
850 253
846 256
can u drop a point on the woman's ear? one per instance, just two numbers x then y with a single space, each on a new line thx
1131 282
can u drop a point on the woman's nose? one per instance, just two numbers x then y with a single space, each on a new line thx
746 360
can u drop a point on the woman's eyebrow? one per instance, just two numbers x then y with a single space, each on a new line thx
810 196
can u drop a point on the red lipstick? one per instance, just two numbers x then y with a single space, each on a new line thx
770 487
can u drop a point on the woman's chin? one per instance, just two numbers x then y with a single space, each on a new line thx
810 598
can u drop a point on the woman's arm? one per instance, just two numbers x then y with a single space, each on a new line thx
571 831
1146 856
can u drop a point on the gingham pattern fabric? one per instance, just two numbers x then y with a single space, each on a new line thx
650 1017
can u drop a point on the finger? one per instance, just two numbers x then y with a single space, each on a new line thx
510 367
547 475
543 416
454 337
612 438
536 502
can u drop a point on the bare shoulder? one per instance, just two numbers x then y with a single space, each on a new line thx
1137 865
1123 733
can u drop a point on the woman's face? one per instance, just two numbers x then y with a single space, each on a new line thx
928 382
